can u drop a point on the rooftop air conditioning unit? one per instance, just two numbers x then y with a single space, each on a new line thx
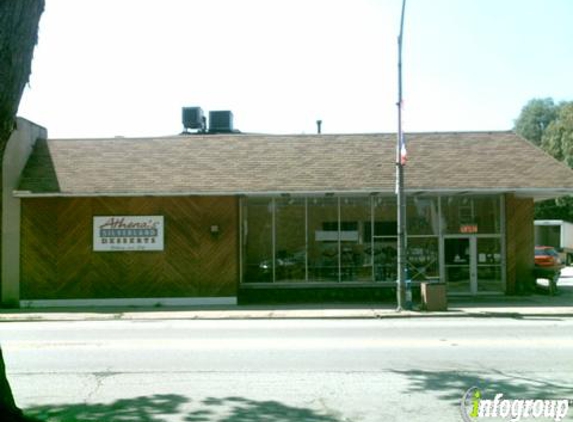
221 121
192 118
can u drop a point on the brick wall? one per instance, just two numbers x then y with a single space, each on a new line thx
519 244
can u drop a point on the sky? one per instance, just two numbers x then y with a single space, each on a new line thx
105 68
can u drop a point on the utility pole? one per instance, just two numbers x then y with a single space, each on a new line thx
400 196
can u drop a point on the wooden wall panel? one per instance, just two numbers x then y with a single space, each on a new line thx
519 243
218 263
58 262
39 248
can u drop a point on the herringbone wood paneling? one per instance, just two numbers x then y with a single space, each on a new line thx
58 261
39 248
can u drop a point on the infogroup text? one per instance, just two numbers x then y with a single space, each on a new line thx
474 407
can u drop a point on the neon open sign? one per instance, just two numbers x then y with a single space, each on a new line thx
469 228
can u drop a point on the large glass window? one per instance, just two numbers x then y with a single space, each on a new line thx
355 261
471 215
384 238
487 211
258 232
354 239
422 215
422 256
290 251
489 265
323 236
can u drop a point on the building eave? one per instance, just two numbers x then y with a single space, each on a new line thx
537 194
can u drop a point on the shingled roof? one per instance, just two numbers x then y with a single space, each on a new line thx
248 163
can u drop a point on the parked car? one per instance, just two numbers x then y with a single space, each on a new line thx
547 256
548 267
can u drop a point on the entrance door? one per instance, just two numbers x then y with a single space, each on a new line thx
489 265
473 265
459 260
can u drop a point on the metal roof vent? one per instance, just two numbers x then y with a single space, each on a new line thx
192 118
221 121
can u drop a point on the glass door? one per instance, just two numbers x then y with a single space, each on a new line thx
489 265
459 265
473 265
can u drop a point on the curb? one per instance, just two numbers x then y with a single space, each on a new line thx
276 315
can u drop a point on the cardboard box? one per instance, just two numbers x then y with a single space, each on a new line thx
434 296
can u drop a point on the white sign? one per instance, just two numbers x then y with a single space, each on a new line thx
128 233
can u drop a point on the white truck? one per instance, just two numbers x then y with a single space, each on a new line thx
558 234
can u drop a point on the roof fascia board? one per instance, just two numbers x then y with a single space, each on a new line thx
526 192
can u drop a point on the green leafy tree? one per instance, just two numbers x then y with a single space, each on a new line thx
550 127
557 138
555 209
534 118
19 21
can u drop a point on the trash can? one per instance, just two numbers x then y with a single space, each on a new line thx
433 295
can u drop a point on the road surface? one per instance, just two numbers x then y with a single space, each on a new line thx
404 369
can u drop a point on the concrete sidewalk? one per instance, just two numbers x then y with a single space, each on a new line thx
535 305
506 306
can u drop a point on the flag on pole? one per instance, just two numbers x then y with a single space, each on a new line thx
403 152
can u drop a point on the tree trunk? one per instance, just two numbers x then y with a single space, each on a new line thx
18 36
19 21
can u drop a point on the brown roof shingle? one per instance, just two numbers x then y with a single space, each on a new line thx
246 163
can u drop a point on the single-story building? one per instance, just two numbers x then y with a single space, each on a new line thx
209 218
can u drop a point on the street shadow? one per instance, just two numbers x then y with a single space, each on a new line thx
144 409
161 408
450 386
239 409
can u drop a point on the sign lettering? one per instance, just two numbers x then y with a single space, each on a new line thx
128 233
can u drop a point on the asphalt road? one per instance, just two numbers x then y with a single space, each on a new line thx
282 370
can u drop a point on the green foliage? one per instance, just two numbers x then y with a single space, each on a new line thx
534 118
557 139
550 127
555 209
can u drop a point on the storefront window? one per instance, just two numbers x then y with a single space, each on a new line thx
290 256
422 255
489 265
258 247
384 239
422 215
356 263
471 215
354 239
488 214
323 236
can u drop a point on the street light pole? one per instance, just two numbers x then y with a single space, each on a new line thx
400 196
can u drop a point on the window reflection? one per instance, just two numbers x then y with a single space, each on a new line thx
422 255
489 264
457 265
290 259
422 215
323 259
258 240
471 215
384 240
356 264
354 239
